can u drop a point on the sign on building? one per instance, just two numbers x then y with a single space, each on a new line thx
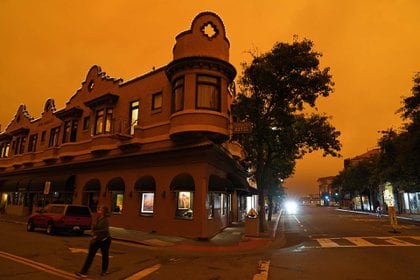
47 187
242 127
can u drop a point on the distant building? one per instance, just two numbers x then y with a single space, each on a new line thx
326 193
368 155
156 149
310 200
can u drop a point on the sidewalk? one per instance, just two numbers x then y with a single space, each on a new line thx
232 238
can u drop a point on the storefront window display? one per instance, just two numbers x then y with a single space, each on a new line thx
184 205
210 205
117 202
147 203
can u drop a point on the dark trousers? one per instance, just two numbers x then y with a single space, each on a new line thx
93 248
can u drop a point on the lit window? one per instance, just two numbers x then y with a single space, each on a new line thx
103 121
147 201
208 92
178 95
184 205
117 202
157 101
4 150
134 115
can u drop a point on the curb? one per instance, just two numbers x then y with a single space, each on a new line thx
374 214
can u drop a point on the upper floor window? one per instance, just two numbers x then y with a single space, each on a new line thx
134 115
18 145
86 122
157 101
70 131
43 136
4 149
32 143
54 134
208 92
178 95
103 121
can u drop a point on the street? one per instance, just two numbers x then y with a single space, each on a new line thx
315 243
323 243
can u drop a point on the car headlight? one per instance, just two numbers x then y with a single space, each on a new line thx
291 207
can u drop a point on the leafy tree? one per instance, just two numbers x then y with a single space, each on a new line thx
276 88
400 162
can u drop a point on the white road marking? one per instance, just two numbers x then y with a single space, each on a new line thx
263 267
362 242
398 242
326 242
296 219
359 241
143 273
39 266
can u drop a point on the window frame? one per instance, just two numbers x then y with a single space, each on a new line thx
133 108
182 212
54 137
216 84
154 97
142 210
107 118
33 140
178 84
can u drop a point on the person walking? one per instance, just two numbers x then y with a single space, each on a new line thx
101 239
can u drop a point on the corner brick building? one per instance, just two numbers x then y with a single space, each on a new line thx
155 149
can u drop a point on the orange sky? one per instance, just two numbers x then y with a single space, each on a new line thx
372 47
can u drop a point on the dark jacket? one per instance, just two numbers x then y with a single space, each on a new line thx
101 229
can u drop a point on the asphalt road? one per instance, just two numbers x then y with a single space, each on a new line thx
323 243
315 243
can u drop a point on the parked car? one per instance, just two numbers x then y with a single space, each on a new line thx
61 217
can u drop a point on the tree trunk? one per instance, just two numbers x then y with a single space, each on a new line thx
270 207
261 210
361 202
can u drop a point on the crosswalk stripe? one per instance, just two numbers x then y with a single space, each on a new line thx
396 241
326 242
390 241
358 241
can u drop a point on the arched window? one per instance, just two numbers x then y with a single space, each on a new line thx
183 186
116 187
91 194
146 187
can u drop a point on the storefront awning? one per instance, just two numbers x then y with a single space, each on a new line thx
116 184
238 182
218 184
145 183
64 183
93 185
23 184
183 182
9 185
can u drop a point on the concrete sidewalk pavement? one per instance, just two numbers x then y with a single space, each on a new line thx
232 238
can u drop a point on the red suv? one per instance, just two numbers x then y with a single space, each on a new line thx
54 217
